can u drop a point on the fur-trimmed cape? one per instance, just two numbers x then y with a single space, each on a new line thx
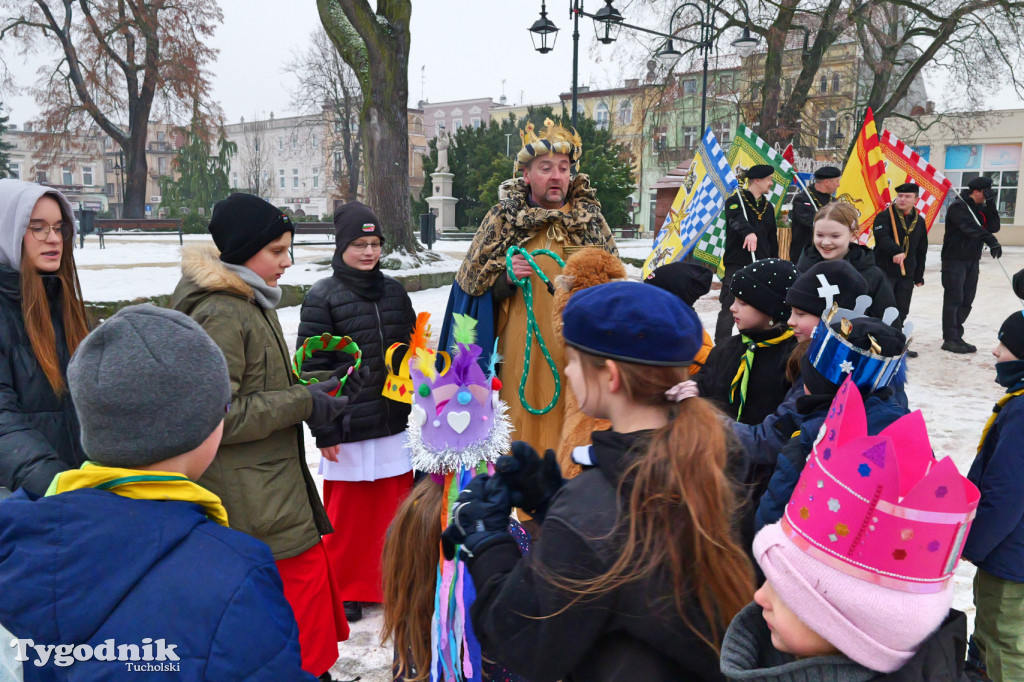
513 221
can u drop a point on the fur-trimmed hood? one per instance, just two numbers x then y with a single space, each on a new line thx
203 273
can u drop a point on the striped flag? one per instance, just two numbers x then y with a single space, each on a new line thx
698 203
903 164
747 149
863 182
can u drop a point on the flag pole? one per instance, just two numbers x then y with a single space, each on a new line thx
896 237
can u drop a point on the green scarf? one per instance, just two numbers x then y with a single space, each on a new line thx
742 377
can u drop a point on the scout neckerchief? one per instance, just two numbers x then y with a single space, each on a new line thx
140 484
907 230
995 413
742 377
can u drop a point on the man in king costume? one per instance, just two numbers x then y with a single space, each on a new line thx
547 208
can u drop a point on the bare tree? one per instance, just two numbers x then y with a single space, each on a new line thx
255 158
328 92
115 61
376 45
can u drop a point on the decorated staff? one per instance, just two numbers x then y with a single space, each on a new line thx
548 207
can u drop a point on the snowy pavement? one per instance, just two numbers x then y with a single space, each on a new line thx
955 392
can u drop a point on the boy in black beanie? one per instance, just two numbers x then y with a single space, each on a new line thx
996 541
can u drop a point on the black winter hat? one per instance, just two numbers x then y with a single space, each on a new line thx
763 284
1011 334
979 183
352 221
827 173
688 281
759 171
243 224
1018 284
809 289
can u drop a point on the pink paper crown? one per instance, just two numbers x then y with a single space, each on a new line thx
880 508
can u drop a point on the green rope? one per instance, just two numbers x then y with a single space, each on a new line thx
326 342
531 322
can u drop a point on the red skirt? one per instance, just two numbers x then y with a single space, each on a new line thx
321 617
361 512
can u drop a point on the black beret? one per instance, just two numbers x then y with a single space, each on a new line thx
807 291
908 187
827 173
761 170
763 284
688 281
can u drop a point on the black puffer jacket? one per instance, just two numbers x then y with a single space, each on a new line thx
379 316
39 432
966 233
862 258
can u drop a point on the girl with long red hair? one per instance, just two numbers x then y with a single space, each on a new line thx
42 321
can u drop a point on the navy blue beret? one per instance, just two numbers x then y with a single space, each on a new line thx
632 322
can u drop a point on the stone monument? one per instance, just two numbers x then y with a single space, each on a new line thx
442 203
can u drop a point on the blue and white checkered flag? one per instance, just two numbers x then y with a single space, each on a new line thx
708 201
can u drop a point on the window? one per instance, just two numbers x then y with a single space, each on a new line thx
660 141
41 177
161 136
690 86
835 82
601 116
690 137
87 176
1004 183
721 131
313 141
725 82
339 163
295 178
316 178
456 124
823 85
280 177
295 141
625 111
161 165
280 144
234 179
475 122
15 171
67 177
110 189
828 130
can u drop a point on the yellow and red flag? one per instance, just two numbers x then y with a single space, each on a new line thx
863 182
903 164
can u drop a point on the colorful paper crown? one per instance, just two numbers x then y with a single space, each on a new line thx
457 418
837 359
554 139
880 508
398 386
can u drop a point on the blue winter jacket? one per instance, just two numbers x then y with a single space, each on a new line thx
996 541
763 442
88 566
881 408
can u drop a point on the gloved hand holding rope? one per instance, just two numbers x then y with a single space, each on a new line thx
531 321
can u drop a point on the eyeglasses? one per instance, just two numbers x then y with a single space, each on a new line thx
41 230
362 246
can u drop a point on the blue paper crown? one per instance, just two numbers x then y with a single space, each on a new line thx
835 358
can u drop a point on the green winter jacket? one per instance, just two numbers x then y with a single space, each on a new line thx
260 470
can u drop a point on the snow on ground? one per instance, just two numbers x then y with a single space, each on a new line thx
955 392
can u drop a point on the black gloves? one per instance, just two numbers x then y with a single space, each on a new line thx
996 250
356 380
326 408
479 518
531 481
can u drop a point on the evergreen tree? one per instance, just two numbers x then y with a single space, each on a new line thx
482 158
5 160
202 179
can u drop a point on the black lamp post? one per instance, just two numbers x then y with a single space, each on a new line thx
119 171
608 21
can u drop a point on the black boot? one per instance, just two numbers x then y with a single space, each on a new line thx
353 611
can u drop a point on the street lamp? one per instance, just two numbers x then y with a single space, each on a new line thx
745 44
669 55
541 30
609 20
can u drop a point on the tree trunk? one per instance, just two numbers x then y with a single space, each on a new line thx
135 176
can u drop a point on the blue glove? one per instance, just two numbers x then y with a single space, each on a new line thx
531 481
479 518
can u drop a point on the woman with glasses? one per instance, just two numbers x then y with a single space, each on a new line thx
365 464
42 321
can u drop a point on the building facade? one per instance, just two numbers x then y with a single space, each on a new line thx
469 113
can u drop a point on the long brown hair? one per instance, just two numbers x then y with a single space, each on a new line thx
412 550
35 310
681 508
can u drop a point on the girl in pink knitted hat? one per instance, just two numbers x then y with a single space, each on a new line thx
859 571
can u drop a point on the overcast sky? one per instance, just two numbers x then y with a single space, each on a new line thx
468 48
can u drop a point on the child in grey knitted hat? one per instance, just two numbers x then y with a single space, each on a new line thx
129 545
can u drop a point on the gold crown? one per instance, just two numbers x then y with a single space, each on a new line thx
554 139
399 386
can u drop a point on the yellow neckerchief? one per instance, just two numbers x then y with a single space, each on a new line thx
742 377
995 413
139 484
